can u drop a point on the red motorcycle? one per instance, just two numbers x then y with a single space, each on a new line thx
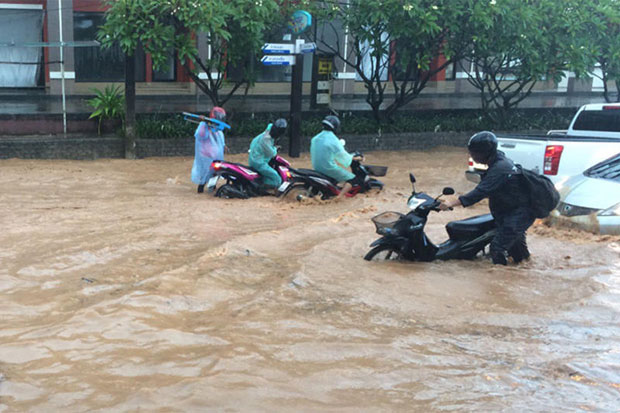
244 182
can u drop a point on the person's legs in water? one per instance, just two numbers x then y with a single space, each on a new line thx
348 186
519 250
345 190
271 179
510 236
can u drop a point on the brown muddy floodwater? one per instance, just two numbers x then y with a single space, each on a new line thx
124 290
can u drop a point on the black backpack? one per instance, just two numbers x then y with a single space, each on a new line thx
543 195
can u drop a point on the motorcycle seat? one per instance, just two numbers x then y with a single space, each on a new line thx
312 172
476 225
241 166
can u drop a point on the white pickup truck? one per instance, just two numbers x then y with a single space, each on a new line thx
593 135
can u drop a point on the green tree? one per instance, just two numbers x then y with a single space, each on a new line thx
600 35
245 28
518 44
233 29
397 43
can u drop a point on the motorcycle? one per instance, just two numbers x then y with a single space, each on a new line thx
242 181
310 183
403 237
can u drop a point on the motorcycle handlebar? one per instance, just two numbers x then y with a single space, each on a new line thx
435 206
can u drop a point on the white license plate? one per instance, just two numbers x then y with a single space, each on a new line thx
283 187
212 182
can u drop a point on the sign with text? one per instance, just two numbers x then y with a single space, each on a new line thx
278 48
278 60
307 48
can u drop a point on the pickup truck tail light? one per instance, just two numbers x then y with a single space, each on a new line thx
552 159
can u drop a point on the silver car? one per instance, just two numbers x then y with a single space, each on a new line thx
591 200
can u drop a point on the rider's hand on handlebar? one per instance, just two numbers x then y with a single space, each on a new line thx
359 158
444 207
449 203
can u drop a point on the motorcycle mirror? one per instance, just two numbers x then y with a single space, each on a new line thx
448 191
411 178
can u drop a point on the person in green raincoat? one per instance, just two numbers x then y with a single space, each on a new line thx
327 152
263 149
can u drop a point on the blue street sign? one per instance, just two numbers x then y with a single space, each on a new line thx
278 60
278 48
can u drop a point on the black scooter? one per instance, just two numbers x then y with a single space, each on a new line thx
403 236
310 183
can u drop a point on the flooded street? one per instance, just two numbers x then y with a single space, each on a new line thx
124 290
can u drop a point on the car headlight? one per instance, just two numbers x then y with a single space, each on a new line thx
613 211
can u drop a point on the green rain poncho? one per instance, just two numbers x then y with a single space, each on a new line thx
262 150
325 150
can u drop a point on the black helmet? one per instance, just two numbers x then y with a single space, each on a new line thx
332 123
483 144
278 128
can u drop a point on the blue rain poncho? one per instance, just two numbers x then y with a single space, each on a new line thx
262 150
325 150
209 147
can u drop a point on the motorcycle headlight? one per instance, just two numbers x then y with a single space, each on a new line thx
415 202
613 211
388 231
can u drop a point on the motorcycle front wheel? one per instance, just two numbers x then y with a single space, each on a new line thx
299 191
383 253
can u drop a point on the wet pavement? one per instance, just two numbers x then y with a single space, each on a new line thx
124 290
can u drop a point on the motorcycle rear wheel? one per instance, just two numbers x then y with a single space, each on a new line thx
383 253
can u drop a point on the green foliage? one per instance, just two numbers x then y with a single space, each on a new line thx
235 30
517 44
597 39
107 104
356 123
398 40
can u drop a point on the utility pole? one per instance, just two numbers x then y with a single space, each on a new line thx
62 71
296 95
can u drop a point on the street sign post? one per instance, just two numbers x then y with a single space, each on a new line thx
289 54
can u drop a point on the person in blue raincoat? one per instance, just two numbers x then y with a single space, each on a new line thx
263 149
209 146
327 152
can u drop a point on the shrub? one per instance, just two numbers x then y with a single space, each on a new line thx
168 126
108 104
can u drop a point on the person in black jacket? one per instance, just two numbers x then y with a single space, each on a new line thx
509 200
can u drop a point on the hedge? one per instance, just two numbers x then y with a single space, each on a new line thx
170 126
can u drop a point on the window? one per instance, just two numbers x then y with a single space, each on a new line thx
94 64
20 66
167 73
599 120
451 70
609 169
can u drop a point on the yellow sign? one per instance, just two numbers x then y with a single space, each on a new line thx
325 66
